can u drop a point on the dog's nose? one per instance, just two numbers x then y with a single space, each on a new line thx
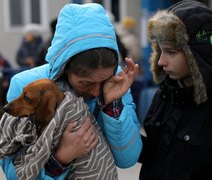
6 108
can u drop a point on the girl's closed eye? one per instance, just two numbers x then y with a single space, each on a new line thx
87 84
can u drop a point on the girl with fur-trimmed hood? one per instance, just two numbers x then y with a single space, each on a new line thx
178 145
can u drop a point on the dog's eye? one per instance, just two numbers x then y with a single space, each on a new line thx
26 98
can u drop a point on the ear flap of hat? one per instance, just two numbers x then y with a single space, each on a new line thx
157 71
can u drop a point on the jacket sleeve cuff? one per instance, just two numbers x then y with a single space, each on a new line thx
53 167
113 109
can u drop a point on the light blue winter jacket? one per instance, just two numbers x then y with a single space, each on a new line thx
79 28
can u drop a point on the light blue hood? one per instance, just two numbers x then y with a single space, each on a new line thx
79 28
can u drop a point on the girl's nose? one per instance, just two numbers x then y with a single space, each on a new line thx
95 91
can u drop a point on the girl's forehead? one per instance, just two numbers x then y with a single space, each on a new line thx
99 75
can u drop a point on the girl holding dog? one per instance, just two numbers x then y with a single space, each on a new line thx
84 57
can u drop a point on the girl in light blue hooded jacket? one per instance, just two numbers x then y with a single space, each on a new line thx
84 57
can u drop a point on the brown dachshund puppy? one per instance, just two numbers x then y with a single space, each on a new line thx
39 100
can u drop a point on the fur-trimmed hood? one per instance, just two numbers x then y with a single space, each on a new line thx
188 26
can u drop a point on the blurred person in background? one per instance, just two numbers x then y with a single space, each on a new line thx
130 38
5 75
28 53
47 44
122 49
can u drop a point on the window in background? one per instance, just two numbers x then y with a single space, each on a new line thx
18 13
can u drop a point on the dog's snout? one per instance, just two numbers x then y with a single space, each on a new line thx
6 108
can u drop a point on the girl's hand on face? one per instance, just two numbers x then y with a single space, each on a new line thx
118 85
77 143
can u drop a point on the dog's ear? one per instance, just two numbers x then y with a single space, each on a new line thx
46 108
